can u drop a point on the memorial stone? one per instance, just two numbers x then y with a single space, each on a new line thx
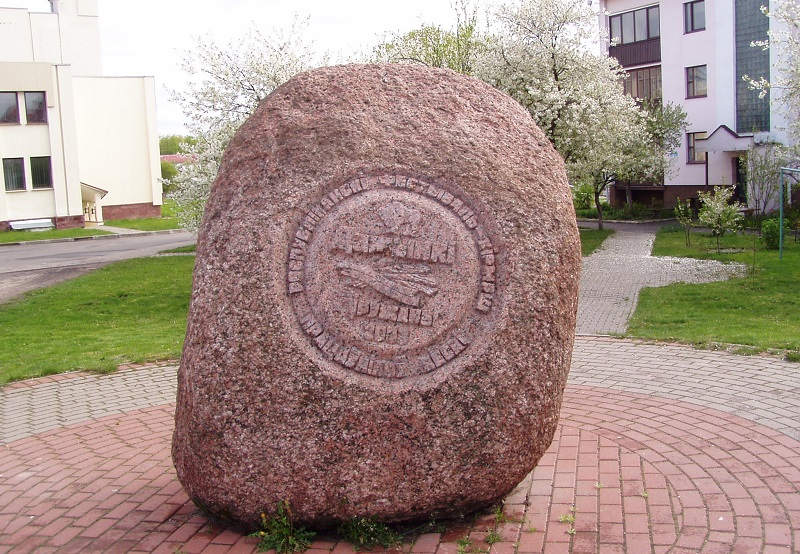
384 302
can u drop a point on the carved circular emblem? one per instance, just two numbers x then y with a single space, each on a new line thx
393 277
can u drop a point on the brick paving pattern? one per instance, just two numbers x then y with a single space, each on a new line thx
38 405
660 448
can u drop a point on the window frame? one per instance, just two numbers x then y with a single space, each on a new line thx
691 151
6 180
48 182
652 25
42 109
16 103
689 15
692 81
635 78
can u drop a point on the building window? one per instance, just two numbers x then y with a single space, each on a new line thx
694 16
635 26
644 84
696 81
14 173
9 109
35 107
692 155
41 174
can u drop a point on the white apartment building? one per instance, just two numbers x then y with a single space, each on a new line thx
75 147
694 54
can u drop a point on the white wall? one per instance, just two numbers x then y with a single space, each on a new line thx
712 47
72 36
117 138
55 139
101 131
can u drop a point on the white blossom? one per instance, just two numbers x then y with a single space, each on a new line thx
226 87
542 58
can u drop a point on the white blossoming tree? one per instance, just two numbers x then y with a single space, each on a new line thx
718 213
763 167
542 57
227 83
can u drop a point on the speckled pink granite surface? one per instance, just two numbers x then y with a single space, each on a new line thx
384 302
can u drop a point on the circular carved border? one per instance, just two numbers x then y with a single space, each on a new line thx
393 277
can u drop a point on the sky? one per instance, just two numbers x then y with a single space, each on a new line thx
149 37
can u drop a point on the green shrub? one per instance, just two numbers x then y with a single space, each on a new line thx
583 196
168 170
770 233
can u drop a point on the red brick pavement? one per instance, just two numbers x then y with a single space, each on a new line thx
626 473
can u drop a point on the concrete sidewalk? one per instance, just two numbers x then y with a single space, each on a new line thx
660 448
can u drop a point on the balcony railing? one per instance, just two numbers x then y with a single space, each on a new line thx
637 53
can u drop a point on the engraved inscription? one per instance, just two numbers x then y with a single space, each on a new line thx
391 276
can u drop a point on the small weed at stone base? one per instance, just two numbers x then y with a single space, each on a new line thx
493 537
792 356
463 544
498 514
279 533
571 531
598 486
431 526
364 532
501 517
644 494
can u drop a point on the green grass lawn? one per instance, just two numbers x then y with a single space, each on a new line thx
591 239
128 312
190 249
145 224
24 236
761 311
168 220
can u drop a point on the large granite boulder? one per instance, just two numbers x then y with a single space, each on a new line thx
384 302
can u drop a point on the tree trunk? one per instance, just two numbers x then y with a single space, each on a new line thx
629 197
599 209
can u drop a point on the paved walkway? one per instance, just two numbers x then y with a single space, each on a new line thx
660 448
613 276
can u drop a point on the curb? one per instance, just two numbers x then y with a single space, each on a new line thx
94 237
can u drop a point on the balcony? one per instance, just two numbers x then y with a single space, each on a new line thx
637 53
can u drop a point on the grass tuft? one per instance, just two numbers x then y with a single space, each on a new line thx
278 533
366 533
